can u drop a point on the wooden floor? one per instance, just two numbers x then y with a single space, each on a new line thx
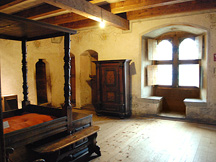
154 140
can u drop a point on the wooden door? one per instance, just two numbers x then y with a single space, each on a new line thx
41 82
93 90
73 80
93 80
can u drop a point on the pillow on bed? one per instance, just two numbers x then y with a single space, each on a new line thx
26 120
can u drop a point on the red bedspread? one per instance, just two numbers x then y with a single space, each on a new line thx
26 120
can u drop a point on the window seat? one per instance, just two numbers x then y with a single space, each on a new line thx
197 109
153 99
147 106
195 102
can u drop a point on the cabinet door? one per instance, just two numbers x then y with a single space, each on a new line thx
111 87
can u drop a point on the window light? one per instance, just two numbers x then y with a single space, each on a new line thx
159 51
160 75
189 75
164 50
188 50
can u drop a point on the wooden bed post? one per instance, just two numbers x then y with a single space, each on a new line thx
2 139
67 109
2 144
25 101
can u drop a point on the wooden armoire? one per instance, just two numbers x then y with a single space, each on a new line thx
113 87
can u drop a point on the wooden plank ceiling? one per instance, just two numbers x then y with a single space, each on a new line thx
78 14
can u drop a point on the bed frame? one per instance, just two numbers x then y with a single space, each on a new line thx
65 123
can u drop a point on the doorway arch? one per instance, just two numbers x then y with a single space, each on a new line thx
88 77
43 82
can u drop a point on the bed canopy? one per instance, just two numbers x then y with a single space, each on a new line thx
17 28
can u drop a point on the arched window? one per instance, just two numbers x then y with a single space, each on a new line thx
175 70
176 60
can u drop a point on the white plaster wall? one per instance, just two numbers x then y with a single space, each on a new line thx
11 74
85 71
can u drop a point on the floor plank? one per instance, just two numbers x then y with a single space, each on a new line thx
153 140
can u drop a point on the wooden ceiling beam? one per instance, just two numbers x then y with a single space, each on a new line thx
91 11
81 24
7 3
62 19
12 6
70 17
39 11
131 5
199 5
98 1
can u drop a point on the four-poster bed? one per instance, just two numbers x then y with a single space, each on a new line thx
57 131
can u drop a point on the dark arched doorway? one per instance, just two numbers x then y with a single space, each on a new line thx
41 82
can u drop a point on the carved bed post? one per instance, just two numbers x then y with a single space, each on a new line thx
25 101
2 140
2 145
67 109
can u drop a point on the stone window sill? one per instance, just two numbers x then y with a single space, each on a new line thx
195 102
152 99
